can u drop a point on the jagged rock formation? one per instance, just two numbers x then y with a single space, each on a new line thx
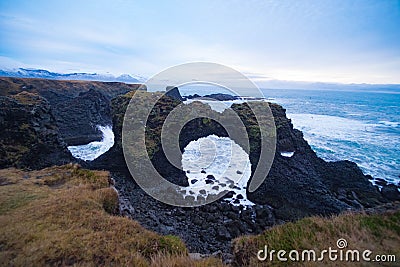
217 96
114 159
295 187
78 106
29 136
304 184
174 93
78 117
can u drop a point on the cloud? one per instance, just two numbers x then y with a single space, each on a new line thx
328 41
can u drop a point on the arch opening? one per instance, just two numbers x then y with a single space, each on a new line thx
215 164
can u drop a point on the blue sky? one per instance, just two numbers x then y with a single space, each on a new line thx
341 41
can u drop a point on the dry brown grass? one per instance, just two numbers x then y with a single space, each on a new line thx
12 86
379 233
61 216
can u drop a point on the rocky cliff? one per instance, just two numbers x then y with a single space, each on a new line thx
78 106
29 136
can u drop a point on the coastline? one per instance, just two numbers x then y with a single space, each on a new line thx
318 187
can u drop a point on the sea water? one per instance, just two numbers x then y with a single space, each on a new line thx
361 126
94 149
224 161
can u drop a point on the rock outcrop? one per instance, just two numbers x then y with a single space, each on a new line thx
29 136
304 184
114 159
217 96
174 93
78 106
295 187
78 117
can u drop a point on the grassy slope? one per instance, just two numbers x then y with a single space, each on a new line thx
12 86
62 216
379 233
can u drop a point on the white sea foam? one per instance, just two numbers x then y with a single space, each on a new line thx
333 127
390 123
287 154
336 138
222 158
94 149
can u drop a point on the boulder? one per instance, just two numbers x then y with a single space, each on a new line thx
391 192
174 93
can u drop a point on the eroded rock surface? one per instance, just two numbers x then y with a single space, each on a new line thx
29 136
78 106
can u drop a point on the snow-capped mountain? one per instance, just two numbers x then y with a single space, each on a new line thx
39 73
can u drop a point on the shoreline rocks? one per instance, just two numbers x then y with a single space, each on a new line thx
29 136
78 106
205 229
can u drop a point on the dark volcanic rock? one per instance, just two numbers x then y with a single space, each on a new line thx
79 116
217 96
114 158
391 192
204 229
380 181
221 97
192 96
307 185
29 137
174 93
78 106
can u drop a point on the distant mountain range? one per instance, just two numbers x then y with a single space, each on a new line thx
40 73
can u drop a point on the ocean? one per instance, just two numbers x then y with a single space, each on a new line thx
361 126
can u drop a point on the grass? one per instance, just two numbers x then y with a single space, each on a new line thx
379 233
64 216
12 86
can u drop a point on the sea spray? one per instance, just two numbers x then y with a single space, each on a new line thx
94 149
215 164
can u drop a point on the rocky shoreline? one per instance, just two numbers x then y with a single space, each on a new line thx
205 229
40 118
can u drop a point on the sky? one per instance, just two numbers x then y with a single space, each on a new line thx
341 41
